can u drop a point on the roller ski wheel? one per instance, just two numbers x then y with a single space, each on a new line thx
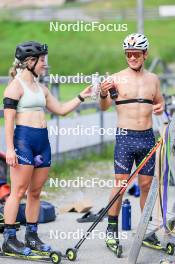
55 257
170 248
71 254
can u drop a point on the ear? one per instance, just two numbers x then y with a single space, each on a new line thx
145 55
31 62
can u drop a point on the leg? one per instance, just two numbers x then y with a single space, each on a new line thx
32 240
115 209
38 179
144 183
123 161
20 177
146 142
113 213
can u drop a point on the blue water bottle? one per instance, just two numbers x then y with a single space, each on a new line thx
126 215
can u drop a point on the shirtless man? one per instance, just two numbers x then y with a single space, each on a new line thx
138 97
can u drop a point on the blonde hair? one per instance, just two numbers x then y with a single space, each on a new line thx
18 65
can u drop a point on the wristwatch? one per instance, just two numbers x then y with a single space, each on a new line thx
81 98
103 96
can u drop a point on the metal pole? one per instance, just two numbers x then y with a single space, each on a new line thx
140 16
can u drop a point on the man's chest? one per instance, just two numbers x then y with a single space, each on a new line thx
137 88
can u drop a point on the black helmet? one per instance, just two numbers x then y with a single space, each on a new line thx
30 48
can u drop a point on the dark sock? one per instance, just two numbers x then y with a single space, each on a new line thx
9 231
31 227
113 222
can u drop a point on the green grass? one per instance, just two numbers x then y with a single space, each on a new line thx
84 52
110 4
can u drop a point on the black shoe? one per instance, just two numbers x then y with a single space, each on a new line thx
12 245
112 236
33 241
152 242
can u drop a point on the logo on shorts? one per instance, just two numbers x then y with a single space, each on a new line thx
120 165
22 158
151 167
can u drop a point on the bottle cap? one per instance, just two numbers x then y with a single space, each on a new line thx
126 201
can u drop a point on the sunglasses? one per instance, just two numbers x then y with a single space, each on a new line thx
136 54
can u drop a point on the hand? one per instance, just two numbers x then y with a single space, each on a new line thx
11 158
106 85
86 92
158 109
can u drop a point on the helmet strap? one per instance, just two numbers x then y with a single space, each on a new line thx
32 70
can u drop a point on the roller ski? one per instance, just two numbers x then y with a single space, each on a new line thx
112 241
55 257
13 248
153 242
38 247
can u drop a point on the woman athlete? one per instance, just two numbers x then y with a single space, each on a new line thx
28 149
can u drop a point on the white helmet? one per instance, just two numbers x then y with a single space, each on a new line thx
136 41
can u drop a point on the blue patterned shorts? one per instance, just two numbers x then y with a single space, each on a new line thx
132 146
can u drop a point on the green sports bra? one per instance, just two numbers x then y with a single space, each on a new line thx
30 101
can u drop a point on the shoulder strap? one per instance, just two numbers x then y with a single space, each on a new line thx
17 77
